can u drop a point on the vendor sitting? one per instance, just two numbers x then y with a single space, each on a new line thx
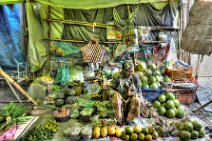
125 101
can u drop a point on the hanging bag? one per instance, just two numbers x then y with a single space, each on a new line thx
92 52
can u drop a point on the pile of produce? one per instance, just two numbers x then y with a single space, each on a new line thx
67 96
104 109
169 106
190 130
62 114
12 114
150 76
138 133
148 111
43 132
165 128
128 133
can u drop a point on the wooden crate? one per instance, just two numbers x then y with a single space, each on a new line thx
179 73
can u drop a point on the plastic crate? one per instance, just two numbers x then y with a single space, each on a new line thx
179 73
152 94
185 96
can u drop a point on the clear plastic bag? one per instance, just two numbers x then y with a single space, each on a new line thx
86 132
73 132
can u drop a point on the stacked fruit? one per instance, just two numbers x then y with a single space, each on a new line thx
150 76
138 133
105 131
169 106
43 132
190 130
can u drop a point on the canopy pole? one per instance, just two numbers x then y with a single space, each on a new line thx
17 86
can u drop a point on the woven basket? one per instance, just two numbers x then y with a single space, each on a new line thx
92 52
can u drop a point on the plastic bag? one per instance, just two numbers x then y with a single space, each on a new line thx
63 49
73 132
86 132
76 74
63 75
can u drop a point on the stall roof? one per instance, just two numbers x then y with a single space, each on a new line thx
85 4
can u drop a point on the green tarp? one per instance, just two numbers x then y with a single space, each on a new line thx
39 29
37 52
85 4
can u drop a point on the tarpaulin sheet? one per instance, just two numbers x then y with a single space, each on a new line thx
11 51
86 4
148 15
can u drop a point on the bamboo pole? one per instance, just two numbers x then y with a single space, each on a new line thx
18 87
78 41
101 25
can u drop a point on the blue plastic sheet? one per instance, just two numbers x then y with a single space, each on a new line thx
11 52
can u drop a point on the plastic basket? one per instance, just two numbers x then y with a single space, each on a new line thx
179 73
152 94
185 96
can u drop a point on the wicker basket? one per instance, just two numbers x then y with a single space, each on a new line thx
179 73
185 96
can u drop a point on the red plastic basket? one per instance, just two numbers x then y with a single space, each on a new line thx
185 96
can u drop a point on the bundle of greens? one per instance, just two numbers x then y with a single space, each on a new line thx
12 114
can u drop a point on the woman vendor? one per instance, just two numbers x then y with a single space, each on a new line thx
126 101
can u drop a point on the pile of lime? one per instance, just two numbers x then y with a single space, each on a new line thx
42 132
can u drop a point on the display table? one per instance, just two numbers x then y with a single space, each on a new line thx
23 128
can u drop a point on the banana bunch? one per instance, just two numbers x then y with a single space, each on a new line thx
165 128
126 24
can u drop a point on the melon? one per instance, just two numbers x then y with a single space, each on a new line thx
162 110
197 126
170 96
201 133
169 104
170 113
162 98
142 66
194 134
180 113
157 104
188 126
185 135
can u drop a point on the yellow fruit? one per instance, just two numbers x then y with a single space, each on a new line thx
96 134
134 136
118 132
128 130
104 132
97 128
145 131
126 137
151 129
112 130
148 137
141 136
154 135
137 129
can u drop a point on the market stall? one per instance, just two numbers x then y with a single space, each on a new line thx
104 71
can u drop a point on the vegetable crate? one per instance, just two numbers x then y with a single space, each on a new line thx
152 94
179 73
185 96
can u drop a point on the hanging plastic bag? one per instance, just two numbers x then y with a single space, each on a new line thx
63 75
